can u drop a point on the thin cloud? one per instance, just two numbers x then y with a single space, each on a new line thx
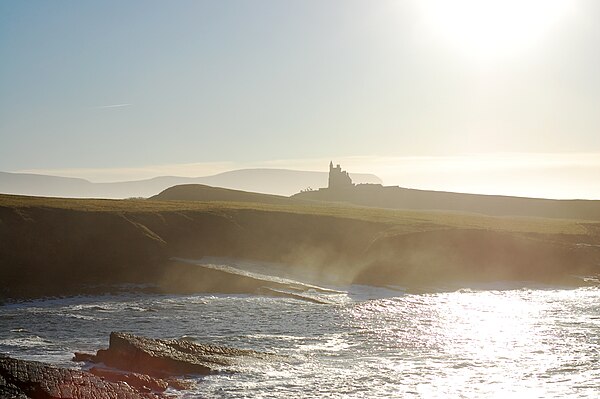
111 106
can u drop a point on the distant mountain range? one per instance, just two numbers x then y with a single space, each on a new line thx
253 185
269 181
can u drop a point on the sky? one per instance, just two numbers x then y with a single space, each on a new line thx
496 96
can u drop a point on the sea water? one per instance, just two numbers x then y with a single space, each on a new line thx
363 342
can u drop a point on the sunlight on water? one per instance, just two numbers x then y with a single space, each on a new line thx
366 343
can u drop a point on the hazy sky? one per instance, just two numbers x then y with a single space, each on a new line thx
121 85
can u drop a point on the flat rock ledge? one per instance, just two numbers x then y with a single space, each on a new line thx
166 357
132 367
20 379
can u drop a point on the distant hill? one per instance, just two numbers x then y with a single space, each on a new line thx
276 181
201 192
494 205
269 181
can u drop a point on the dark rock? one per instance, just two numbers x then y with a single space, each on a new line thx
167 357
84 357
141 382
10 391
20 379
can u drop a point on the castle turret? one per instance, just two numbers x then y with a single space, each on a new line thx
338 178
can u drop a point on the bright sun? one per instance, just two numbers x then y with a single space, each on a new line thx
492 29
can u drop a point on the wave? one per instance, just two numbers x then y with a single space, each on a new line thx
33 341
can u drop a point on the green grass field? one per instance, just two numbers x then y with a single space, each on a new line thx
408 220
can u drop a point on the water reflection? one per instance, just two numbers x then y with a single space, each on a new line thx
511 343
517 343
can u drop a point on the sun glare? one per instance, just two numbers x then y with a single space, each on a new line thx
492 29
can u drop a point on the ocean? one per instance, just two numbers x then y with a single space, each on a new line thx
500 340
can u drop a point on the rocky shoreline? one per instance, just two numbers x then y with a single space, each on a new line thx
20 379
131 367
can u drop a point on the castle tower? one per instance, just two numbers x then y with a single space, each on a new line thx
338 178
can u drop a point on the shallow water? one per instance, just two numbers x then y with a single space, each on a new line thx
366 342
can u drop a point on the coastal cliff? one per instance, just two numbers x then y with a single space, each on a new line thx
62 247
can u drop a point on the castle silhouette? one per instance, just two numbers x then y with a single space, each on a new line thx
338 178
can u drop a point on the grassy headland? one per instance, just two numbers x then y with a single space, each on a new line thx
53 246
493 205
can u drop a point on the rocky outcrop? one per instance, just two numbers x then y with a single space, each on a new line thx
142 382
20 379
140 368
166 357
139 381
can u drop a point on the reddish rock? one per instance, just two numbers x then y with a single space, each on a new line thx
167 357
141 382
20 379
146 367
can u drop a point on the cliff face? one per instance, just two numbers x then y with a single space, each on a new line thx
61 250
51 251
471 255
48 251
